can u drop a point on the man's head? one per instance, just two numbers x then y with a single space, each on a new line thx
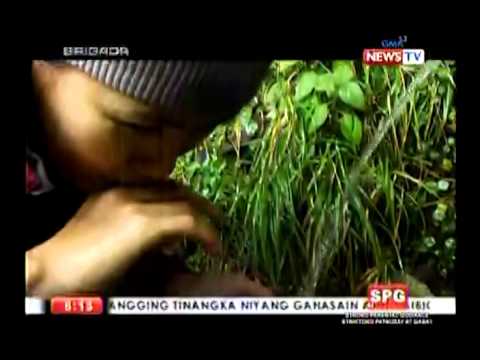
125 122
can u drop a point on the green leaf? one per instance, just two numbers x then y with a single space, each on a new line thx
445 75
271 115
351 128
248 123
440 212
284 65
274 94
441 90
416 287
450 243
342 72
325 82
352 94
434 155
429 241
312 102
447 164
318 119
245 114
251 128
431 187
306 83
442 207
443 185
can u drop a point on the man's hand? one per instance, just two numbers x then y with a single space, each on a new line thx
113 229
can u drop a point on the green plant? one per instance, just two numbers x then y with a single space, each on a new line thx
334 175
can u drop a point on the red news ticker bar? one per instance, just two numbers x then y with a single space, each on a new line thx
76 305
383 56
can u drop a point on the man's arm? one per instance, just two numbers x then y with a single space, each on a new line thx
110 233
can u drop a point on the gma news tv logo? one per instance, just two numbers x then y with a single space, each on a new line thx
388 296
393 56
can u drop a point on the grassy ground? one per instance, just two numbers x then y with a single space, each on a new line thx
336 175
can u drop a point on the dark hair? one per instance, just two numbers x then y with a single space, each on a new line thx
224 91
